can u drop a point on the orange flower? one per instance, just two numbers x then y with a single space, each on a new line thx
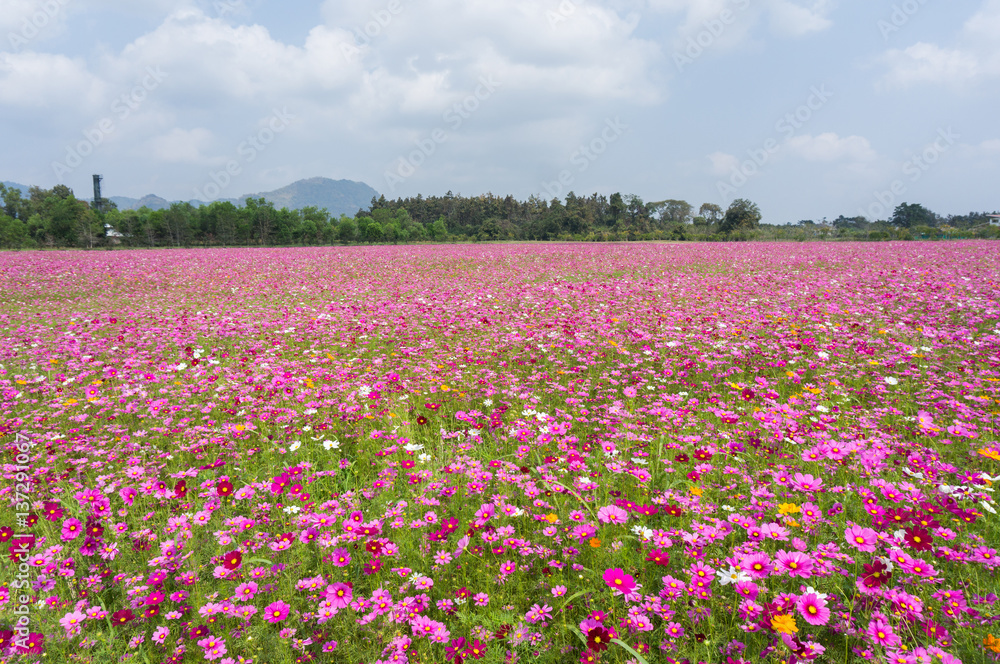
992 643
594 542
784 624
990 453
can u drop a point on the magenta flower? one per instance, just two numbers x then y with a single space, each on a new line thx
793 563
276 611
71 529
880 632
339 595
813 609
619 581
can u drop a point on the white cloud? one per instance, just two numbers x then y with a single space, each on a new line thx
25 18
831 147
792 19
42 80
723 163
976 56
728 24
929 63
181 146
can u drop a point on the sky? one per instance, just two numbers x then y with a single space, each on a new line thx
809 108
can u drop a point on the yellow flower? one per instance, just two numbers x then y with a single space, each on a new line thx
784 624
696 491
551 518
789 508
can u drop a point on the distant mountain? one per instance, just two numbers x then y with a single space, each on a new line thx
337 196
151 201
24 188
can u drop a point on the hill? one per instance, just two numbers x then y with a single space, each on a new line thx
337 196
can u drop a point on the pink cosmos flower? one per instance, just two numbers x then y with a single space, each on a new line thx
813 609
339 595
619 581
862 539
276 611
880 632
612 514
71 529
246 591
793 563
71 622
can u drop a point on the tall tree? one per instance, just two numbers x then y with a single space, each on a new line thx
908 215
742 215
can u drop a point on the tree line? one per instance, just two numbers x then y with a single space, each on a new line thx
56 218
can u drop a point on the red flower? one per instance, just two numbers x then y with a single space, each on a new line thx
476 650
122 617
918 538
658 556
232 560
53 511
598 639
224 488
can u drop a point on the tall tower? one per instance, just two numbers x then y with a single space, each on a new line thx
97 192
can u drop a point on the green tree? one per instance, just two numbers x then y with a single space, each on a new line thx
374 232
347 230
908 215
742 215
711 212
439 230
673 211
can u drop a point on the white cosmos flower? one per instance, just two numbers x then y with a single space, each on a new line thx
732 575
891 380
331 444
424 457
294 446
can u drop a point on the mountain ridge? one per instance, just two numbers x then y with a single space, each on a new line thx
337 196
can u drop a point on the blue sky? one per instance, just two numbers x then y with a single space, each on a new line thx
810 108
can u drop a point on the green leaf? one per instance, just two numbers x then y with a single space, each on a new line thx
580 635
260 561
642 660
572 597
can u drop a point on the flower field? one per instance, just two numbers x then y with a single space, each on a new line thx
507 453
